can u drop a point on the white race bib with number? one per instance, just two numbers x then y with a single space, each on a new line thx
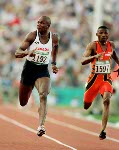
40 57
102 67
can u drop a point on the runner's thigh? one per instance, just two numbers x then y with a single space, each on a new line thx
43 84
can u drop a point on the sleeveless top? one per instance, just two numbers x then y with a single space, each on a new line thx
43 51
102 65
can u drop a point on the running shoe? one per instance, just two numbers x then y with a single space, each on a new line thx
41 130
102 135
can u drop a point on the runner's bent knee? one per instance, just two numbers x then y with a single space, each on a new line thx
87 105
43 95
106 101
23 101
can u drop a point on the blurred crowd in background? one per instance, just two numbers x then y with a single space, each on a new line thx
71 19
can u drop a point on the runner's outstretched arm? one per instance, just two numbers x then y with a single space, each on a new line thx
115 57
55 52
22 50
87 56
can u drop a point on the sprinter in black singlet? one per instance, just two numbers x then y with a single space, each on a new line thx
38 47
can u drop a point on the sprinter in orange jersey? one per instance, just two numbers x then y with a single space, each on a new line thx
99 54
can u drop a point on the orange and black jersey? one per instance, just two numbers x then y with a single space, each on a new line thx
100 78
106 56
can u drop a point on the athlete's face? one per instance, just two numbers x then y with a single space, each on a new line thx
43 25
103 35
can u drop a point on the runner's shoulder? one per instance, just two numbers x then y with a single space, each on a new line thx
112 43
31 36
55 37
92 45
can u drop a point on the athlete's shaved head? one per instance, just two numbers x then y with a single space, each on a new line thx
43 23
46 18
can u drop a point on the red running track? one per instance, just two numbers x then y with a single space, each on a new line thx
18 132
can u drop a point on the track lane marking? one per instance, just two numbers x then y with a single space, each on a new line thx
5 118
64 124
54 121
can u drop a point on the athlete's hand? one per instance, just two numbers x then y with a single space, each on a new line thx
32 52
54 69
21 53
99 55
117 72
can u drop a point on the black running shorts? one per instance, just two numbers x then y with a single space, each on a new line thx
31 72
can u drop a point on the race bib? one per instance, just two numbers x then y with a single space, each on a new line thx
102 67
41 57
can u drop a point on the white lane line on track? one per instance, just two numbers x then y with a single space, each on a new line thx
89 118
67 125
5 118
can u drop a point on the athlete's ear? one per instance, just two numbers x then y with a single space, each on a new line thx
96 34
48 25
